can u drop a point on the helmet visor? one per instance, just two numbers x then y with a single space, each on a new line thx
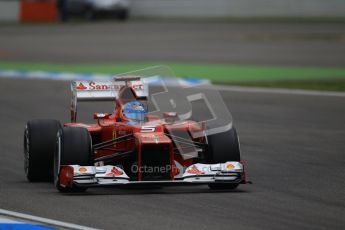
134 111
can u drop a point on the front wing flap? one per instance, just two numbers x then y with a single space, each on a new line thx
110 175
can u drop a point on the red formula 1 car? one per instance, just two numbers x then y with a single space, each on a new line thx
131 146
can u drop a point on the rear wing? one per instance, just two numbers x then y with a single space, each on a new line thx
104 90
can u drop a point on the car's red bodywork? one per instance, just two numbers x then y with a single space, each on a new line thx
139 142
148 134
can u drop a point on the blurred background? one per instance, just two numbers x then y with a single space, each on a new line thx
271 43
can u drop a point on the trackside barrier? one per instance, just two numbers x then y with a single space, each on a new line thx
38 11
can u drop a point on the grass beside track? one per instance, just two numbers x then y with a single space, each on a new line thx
332 79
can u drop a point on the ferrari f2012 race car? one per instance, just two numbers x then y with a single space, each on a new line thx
135 145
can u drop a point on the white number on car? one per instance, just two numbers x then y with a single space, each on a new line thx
147 129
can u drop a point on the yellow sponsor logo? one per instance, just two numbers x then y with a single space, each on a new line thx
230 166
114 136
82 170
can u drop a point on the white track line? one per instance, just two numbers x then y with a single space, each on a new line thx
278 91
42 220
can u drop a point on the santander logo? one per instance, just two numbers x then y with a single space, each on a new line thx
194 170
114 173
105 86
95 86
81 86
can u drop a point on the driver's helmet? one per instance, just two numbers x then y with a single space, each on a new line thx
134 111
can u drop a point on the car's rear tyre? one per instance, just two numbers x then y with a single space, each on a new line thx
39 147
73 147
223 147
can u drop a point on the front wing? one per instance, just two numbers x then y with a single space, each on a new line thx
109 175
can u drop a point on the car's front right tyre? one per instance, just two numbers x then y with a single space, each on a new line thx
39 147
223 147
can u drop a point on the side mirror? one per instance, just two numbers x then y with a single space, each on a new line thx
101 115
170 117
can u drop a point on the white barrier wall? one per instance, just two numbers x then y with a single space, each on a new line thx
9 10
238 8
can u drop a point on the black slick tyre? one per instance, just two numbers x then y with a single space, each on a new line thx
39 147
223 147
73 147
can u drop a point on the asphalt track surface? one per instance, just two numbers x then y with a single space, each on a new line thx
310 44
293 145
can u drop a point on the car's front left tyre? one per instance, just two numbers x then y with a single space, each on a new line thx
73 147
